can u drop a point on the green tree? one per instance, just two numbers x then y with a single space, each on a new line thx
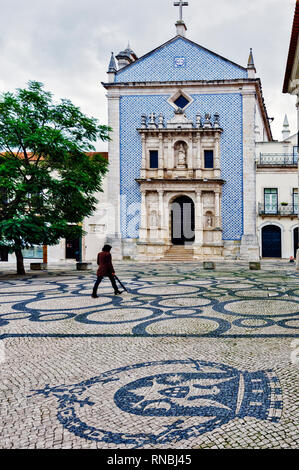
49 171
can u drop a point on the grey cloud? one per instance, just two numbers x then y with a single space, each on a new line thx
67 43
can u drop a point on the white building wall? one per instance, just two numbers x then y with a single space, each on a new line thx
285 179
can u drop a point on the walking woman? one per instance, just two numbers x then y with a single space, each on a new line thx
106 269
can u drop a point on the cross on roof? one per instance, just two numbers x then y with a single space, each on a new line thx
181 4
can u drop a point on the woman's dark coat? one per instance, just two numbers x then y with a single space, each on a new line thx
105 264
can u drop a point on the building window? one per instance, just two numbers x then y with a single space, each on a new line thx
35 252
209 158
181 102
154 159
295 154
271 200
295 200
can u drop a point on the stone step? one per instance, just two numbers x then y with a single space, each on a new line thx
182 255
177 256
188 255
179 250
178 253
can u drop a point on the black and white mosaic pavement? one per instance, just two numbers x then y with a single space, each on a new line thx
187 358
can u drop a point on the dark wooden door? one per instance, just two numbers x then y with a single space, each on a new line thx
182 221
271 242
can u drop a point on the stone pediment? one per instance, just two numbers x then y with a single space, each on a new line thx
179 121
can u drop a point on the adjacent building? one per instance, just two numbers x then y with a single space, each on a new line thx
291 80
277 195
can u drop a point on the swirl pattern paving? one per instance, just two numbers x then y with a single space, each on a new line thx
162 300
187 358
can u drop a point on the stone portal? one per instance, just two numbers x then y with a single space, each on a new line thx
181 186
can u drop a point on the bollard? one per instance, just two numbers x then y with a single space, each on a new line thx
254 265
208 265
83 266
37 266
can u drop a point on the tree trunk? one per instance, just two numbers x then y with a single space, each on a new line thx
20 262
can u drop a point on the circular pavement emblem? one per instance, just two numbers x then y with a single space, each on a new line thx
175 400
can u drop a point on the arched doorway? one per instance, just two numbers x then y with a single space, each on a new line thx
271 242
295 241
182 221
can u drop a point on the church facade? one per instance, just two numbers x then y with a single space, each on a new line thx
182 154
182 172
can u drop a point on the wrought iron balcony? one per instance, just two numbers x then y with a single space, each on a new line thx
280 210
277 159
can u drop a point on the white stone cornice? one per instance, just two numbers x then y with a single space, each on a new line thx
188 87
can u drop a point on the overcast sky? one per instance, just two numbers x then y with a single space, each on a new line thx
66 44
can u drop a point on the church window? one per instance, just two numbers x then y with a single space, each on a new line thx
209 158
181 102
154 159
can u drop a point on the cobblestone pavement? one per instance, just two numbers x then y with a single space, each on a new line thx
186 359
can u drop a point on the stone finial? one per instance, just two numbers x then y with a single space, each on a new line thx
112 69
286 128
207 123
152 121
161 121
251 70
112 65
198 121
143 121
216 120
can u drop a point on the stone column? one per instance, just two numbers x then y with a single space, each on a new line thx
218 208
143 218
199 165
143 161
190 152
199 219
249 249
194 152
166 152
217 156
160 163
171 153
113 182
161 213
